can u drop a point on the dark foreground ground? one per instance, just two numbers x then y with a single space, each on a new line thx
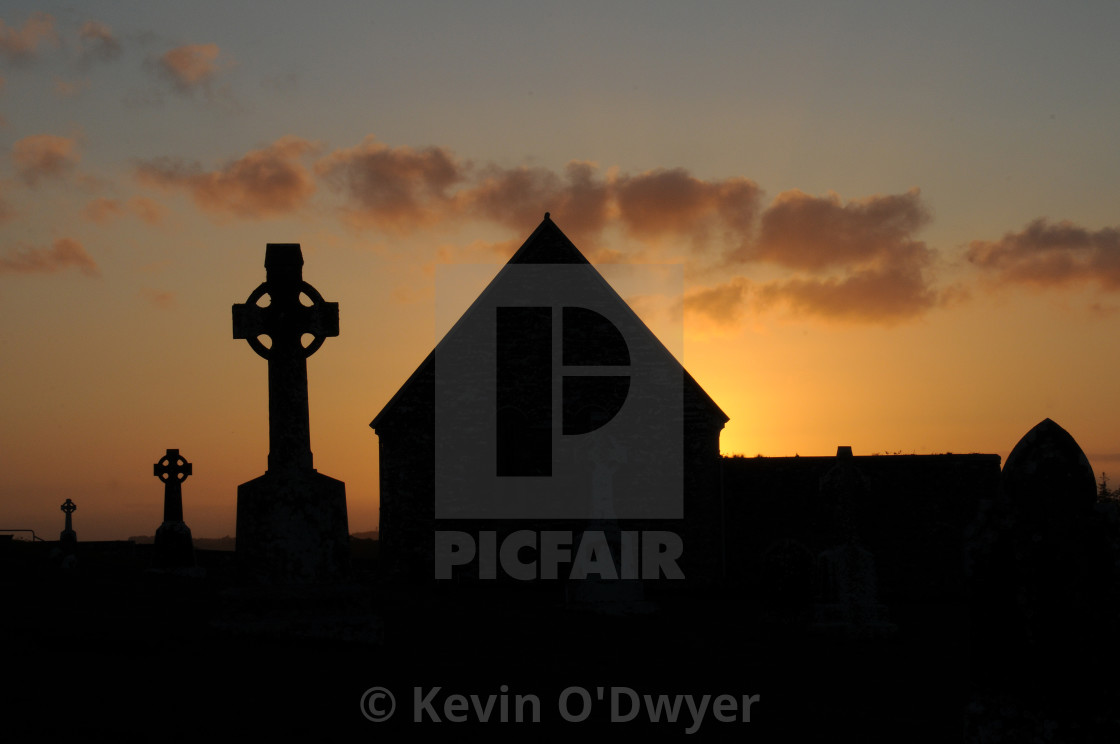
109 650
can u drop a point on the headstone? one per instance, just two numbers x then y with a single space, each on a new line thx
1048 479
68 539
849 598
291 521
1061 548
843 495
173 545
608 591
787 581
848 584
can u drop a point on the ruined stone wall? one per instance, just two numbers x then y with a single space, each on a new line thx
912 514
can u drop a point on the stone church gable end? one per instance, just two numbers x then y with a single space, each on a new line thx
431 414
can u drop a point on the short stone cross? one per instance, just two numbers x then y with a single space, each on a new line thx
173 469
68 537
174 546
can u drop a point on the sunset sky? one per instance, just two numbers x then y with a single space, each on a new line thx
899 222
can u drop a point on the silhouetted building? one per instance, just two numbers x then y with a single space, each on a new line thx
860 544
909 511
406 426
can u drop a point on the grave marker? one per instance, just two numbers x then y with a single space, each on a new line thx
174 547
68 538
291 521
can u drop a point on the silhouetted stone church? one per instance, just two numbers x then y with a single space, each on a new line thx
791 532
406 439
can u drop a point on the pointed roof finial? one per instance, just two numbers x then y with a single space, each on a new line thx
548 215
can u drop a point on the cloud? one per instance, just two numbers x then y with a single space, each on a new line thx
263 183
723 304
41 156
147 210
164 300
20 45
1048 255
66 88
475 252
855 261
102 210
64 253
674 203
97 42
394 188
811 233
518 197
896 289
191 67
141 98
7 212
1102 310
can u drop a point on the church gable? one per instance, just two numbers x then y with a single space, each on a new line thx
546 246
593 417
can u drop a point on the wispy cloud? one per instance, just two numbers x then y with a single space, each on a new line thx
855 260
674 204
104 210
64 253
22 44
392 188
7 212
192 67
97 42
723 304
813 233
894 290
67 88
149 211
517 197
1051 255
268 182
44 156
162 299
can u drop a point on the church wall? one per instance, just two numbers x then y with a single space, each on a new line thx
912 515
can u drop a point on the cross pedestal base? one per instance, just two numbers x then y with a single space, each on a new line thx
292 528
174 547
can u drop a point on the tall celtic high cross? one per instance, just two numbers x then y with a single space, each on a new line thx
285 320
291 521
172 469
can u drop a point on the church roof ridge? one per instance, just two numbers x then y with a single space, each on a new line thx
548 245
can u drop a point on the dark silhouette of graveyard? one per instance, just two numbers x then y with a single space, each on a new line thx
938 595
